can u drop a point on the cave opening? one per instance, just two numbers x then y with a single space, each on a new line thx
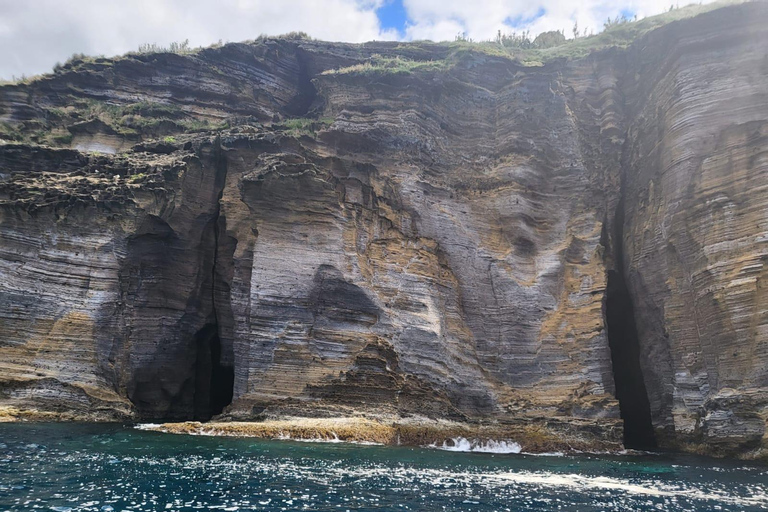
625 355
214 381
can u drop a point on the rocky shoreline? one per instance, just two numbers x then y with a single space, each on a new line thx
528 438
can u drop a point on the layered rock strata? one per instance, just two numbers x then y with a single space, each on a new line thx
696 228
478 241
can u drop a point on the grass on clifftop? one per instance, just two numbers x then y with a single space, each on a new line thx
617 35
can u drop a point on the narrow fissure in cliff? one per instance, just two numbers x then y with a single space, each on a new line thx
625 350
214 380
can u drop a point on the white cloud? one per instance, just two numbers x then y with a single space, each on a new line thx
35 34
481 19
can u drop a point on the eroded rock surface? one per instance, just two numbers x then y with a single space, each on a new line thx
696 232
433 243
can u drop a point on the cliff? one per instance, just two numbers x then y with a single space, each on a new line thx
299 228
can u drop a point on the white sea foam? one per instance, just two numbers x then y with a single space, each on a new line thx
462 444
147 426
333 440
583 483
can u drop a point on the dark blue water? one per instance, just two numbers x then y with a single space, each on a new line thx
110 467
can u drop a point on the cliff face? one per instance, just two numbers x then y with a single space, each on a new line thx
469 239
696 257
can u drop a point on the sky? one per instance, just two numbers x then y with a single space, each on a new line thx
36 34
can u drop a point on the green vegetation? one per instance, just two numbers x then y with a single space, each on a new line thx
133 178
181 48
143 117
77 60
618 32
380 65
36 132
522 40
178 47
549 39
59 137
461 49
10 133
303 126
156 119
23 79
290 36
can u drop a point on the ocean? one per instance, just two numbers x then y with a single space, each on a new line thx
110 467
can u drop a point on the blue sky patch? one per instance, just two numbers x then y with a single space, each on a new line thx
628 13
392 15
522 21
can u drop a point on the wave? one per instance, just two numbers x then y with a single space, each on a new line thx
462 444
332 440
147 426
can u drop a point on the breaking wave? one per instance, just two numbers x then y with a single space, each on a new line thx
462 444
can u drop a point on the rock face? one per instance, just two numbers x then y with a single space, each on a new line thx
696 229
559 246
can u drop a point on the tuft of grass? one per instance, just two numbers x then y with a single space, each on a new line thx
180 47
169 139
20 80
304 126
290 36
11 133
381 65
144 116
461 48
60 138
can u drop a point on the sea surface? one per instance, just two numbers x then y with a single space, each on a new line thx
68 467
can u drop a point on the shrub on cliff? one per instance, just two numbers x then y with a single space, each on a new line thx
180 48
549 39
290 36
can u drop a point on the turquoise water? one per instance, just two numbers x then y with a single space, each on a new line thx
67 467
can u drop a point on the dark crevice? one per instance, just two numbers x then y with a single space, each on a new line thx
214 381
625 350
301 104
